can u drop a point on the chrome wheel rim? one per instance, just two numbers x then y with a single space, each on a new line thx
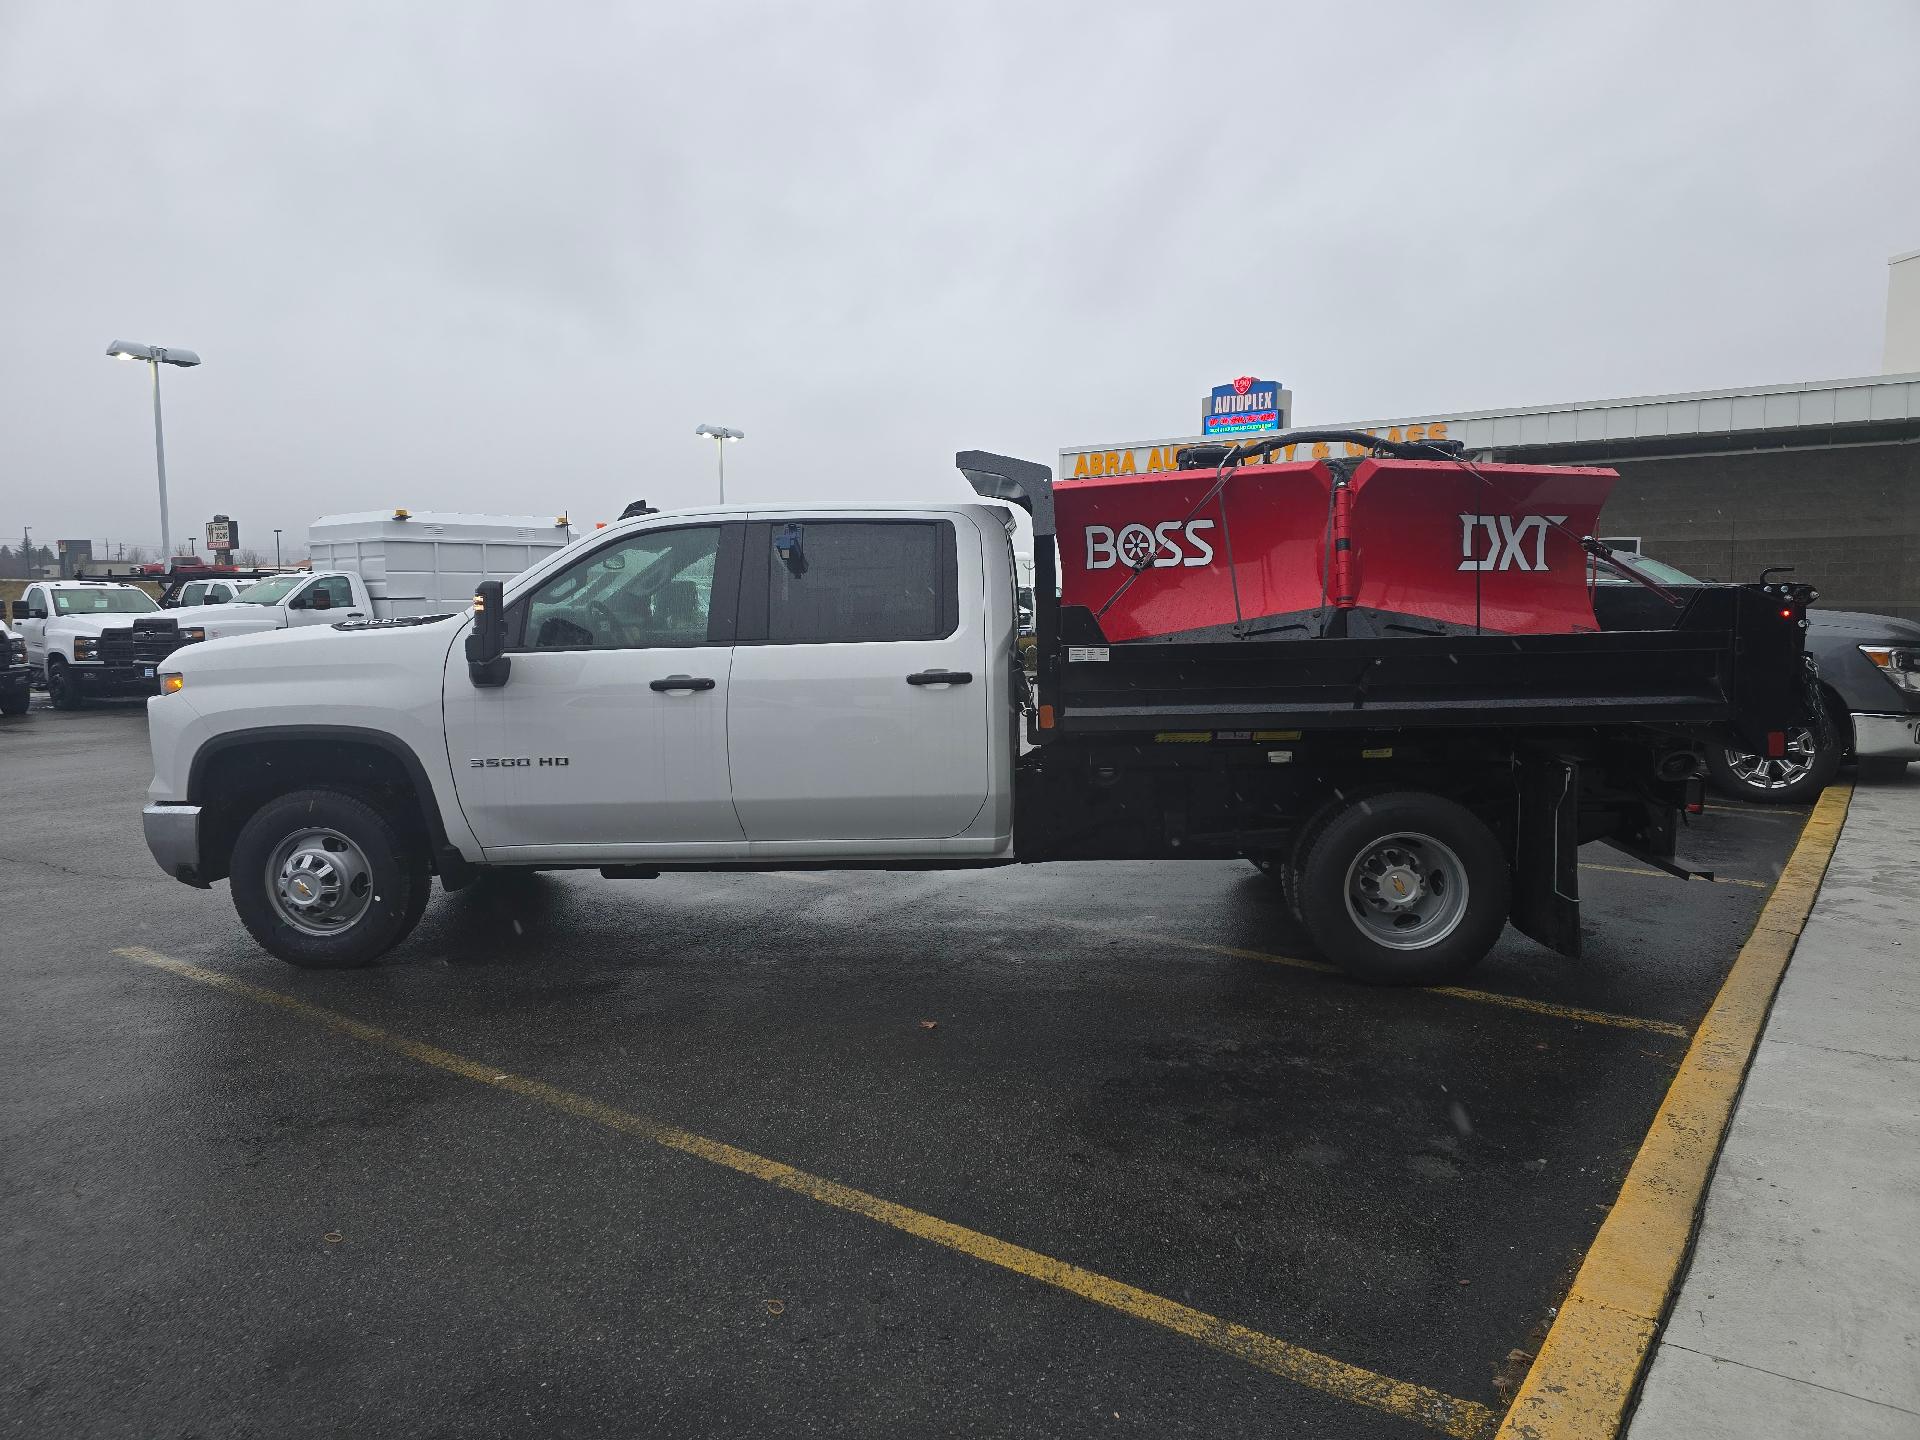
1762 772
1407 891
319 881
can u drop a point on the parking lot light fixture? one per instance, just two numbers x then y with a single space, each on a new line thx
720 436
156 356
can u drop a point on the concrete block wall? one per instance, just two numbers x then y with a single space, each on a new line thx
1847 518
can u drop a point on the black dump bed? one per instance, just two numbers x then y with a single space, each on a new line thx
1711 655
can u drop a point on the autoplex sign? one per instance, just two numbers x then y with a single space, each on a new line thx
1245 406
1155 456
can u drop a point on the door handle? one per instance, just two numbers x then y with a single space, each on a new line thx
681 682
940 677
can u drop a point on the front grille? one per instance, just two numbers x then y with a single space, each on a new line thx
141 645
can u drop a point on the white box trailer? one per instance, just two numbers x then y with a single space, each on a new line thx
428 562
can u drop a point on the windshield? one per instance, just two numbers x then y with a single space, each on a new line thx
269 592
1657 570
117 601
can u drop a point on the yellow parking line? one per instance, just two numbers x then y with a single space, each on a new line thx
1434 1409
1456 992
1591 1360
1663 875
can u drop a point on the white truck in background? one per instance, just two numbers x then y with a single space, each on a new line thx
367 567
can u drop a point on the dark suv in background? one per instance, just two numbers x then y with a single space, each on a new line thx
1869 677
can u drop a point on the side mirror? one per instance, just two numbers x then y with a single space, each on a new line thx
298 602
488 663
20 611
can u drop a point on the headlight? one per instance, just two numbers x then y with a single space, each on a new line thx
1900 666
19 651
84 646
171 684
193 633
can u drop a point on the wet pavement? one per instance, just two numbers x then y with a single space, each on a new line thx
228 1218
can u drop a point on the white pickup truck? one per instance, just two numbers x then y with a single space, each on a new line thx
281 602
66 625
833 686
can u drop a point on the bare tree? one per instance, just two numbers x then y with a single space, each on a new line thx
248 558
136 554
186 547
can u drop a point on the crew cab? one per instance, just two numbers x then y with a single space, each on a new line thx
839 686
72 630
15 690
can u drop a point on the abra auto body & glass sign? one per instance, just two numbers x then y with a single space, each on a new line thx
1245 406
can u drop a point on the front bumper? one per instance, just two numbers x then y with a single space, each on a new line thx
1886 737
173 835
116 678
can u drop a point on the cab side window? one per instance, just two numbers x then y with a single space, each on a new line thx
654 590
37 600
338 590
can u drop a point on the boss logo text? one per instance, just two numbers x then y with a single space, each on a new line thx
1135 543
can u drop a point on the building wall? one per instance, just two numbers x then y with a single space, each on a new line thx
1902 352
1847 518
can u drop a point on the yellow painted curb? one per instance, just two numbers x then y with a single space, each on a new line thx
1585 1373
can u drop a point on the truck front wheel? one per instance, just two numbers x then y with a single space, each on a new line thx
63 687
324 880
1404 889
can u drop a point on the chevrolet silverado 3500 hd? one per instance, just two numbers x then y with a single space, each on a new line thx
834 686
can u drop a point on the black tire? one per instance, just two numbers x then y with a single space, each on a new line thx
14 700
397 880
1448 854
1813 755
1283 866
62 689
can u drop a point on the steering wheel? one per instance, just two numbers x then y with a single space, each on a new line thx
604 623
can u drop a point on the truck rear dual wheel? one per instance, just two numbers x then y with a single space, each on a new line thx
1404 889
323 880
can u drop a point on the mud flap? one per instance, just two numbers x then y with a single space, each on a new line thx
1546 854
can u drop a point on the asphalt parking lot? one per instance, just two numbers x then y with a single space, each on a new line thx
1054 1151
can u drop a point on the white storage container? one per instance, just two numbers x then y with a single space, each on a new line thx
428 562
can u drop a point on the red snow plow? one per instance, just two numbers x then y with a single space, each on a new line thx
1379 548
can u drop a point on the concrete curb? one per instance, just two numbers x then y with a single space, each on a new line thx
1583 1380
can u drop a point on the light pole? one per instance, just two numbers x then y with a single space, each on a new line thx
721 435
276 549
156 356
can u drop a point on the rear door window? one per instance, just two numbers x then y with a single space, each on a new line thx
838 581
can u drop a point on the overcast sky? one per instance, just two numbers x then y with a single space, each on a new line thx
506 257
